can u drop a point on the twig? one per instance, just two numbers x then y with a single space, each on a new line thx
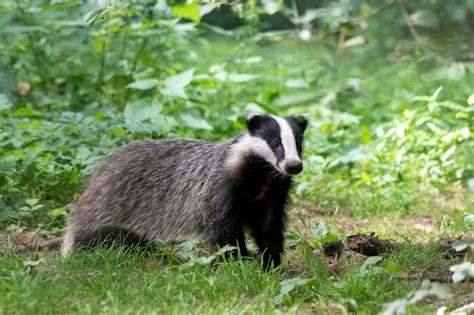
340 41
369 245
417 38
43 72
49 244
379 9
52 243
100 79
135 63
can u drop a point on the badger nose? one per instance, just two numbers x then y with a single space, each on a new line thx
293 167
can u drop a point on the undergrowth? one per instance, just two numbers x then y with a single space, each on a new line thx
388 149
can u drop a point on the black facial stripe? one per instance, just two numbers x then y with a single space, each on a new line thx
270 131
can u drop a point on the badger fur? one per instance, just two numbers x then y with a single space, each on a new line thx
176 189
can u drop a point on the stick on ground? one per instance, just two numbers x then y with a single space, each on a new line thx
369 245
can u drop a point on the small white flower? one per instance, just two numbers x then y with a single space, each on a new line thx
305 34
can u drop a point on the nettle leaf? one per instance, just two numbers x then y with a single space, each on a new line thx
393 268
319 230
253 59
8 82
272 7
440 290
207 8
188 11
287 286
32 263
295 98
225 249
58 212
470 184
456 71
31 202
242 77
296 83
462 271
436 93
396 307
142 84
470 99
194 121
174 86
458 277
136 113
470 217
428 288
4 102
463 244
302 187
83 152
425 18
373 260
203 261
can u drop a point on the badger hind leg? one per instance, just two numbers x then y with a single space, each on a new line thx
107 237
68 243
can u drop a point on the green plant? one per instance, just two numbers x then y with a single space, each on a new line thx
386 146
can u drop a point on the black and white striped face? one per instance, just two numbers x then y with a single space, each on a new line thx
278 140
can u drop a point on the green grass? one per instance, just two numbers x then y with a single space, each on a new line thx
179 279
115 282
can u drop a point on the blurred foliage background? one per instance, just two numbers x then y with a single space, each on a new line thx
389 85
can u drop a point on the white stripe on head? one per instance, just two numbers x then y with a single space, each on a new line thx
245 146
287 139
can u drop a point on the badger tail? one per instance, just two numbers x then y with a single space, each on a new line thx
52 243
49 244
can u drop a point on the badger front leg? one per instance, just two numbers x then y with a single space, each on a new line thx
230 233
268 233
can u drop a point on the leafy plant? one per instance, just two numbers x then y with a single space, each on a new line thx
462 271
427 289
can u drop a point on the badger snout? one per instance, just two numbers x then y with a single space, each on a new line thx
293 167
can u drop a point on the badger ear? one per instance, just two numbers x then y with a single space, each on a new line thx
254 121
302 120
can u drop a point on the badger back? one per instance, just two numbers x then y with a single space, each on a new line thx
164 190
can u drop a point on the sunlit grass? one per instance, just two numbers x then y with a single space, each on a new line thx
120 280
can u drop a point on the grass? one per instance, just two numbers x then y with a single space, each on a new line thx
179 279
116 282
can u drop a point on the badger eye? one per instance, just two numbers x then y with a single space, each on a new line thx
275 144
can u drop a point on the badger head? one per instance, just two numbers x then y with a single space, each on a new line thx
276 140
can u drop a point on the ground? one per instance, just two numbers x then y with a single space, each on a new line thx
177 280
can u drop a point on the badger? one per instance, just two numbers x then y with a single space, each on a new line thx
171 190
